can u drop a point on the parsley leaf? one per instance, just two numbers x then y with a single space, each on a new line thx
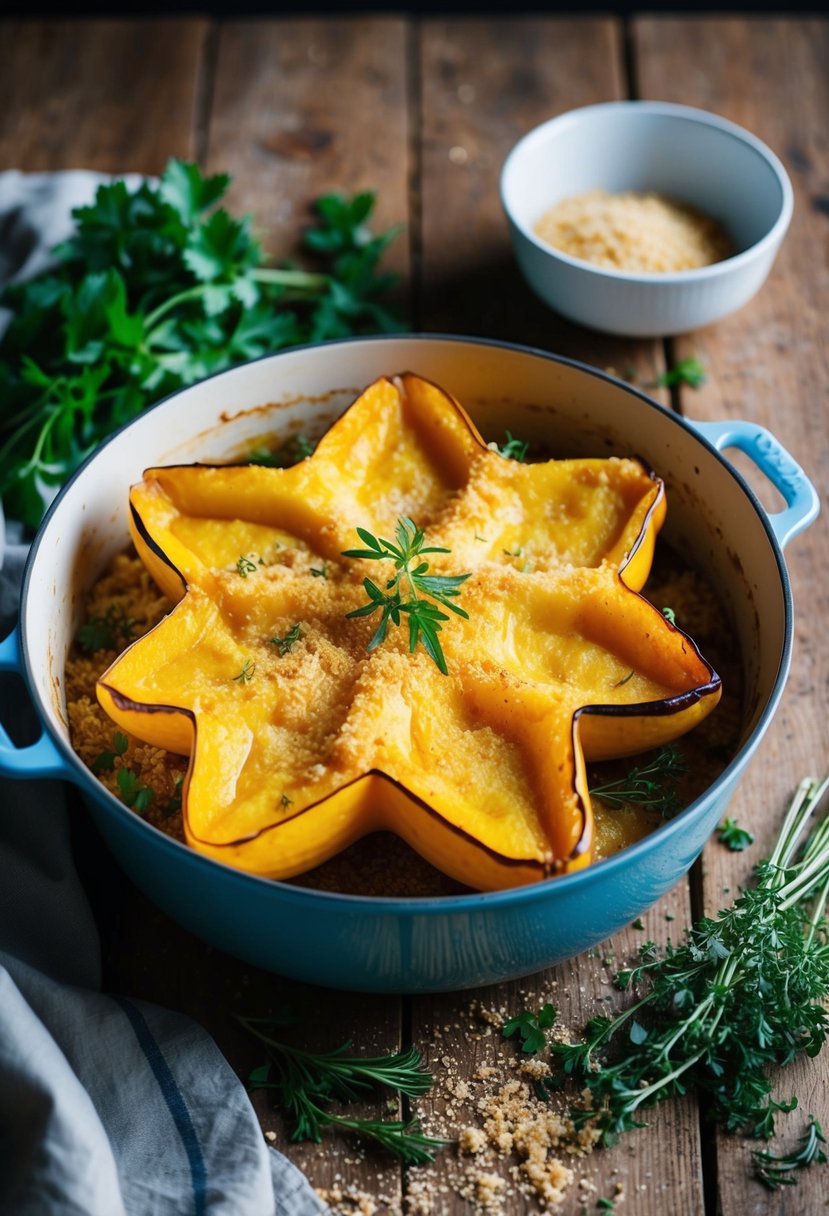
688 371
735 837
531 1026
157 288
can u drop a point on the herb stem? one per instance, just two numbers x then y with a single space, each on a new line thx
301 279
181 297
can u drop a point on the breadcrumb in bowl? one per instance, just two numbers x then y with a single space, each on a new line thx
616 258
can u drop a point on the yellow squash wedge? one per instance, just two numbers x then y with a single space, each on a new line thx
302 740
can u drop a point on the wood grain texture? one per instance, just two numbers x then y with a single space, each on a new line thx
309 107
302 108
484 84
769 363
113 95
459 1042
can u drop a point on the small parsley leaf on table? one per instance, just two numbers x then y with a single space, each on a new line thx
531 1027
735 837
688 371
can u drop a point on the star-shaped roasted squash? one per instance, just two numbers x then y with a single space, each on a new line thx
303 739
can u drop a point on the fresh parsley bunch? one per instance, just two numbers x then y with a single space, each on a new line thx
158 288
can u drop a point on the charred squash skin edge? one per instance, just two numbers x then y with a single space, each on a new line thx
374 799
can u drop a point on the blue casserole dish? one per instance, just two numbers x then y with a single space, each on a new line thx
451 942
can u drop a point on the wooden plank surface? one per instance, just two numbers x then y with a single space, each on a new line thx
484 84
310 107
114 95
424 113
768 363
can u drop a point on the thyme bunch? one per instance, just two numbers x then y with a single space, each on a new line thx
746 991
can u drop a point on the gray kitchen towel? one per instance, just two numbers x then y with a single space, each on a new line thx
108 1106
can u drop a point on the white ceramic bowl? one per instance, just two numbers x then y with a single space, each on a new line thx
687 154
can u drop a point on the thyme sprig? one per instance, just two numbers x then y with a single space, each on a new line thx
650 785
745 992
425 591
774 1170
287 641
308 1081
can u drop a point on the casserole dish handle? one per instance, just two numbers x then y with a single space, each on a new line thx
41 759
782 470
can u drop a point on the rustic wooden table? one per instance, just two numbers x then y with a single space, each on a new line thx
424 113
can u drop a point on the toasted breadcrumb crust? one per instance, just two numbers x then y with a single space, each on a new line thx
382 864
643 233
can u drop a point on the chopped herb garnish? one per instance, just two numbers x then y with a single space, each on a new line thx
669 615
245 565
106 632
320 571
286 801
531 1026
284 644
246 674
174 805
425 618
133 793
731 834
512 448
307 1082
649 785
687 371
295 449
105 763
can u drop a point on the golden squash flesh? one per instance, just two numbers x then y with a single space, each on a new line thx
302 740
